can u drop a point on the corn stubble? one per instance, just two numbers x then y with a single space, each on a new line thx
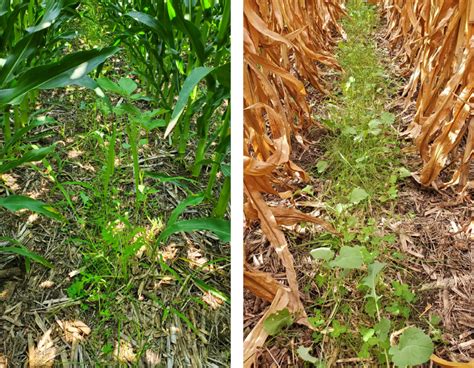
435 40
286 43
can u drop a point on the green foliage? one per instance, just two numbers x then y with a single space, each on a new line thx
181 50
29 44
358 195
414 348
15 203
371 280
304 353
275 322
325 254
349 258
362 152
21 250
190 83
220 227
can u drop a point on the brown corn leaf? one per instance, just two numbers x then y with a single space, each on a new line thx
291 216
256 338
446 364
435 42
261 284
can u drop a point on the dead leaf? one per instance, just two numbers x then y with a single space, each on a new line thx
123 352
3 361
446 364
74 331
46 284
41 356
212 300
257 337
152 358
261 284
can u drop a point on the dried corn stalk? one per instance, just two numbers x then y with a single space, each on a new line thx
286 42
435 39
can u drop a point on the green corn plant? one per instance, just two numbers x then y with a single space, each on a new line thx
30 60
192 84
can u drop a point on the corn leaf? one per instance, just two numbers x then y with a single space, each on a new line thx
191 81
69 70
15 203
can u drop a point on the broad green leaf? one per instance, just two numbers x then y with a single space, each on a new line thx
222 74
153 124
127 85
374 270
144 18
374 127
25 252
181 207
275 322
371 279
387 118
126 108
150 22
321 166
382 328
225 170
191 81
357 195
325 254
224 25
349 258
15 203
22 50
304 354
69 70
221 228
108 85
30 156
414 348
147 20
403 172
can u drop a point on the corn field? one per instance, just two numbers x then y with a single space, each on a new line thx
435 43
116 183
289 46
114 164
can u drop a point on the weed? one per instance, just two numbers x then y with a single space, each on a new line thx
363 154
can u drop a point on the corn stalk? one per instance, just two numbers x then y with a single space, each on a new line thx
286 43
435 43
